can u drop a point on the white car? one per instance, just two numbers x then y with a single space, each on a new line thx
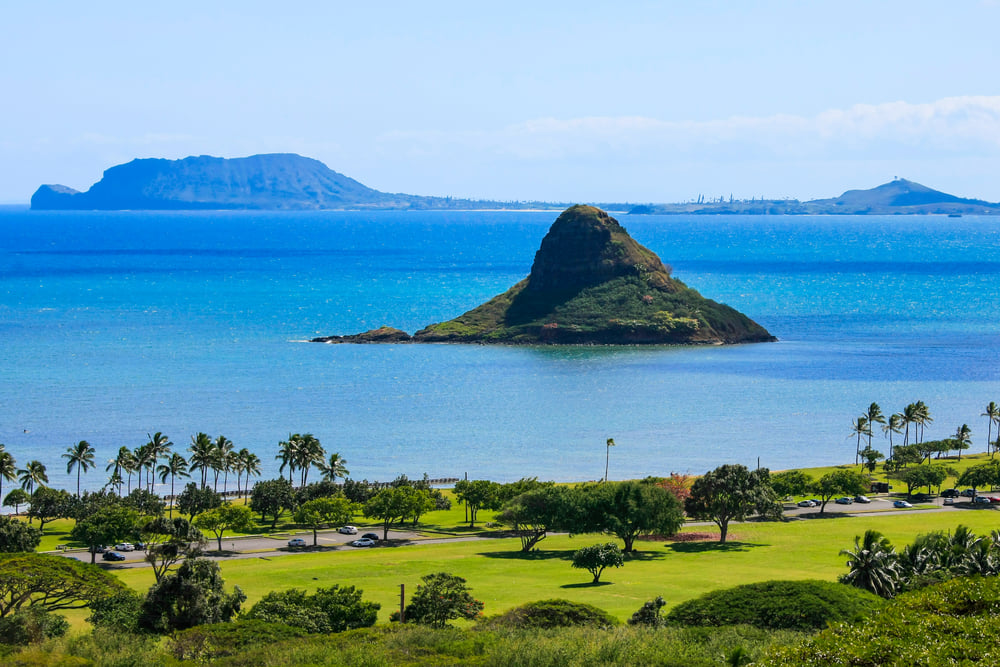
296 542
349 530
124 546
363 542
806 503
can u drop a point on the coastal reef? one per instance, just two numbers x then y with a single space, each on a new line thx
591 283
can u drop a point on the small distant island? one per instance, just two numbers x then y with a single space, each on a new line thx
285 181
591 283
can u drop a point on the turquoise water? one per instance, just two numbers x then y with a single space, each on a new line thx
115 325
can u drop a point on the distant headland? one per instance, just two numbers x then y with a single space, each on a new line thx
591 283
285 181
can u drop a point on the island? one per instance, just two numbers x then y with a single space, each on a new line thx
590 283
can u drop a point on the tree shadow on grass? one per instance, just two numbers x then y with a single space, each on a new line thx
708 547
589 584
534 554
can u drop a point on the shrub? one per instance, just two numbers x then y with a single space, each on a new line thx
554 614
793 605
118 612
333 609
30 625
441 598
218 640
649 614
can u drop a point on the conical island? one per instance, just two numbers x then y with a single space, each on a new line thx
591 283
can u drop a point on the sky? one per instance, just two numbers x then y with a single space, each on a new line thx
555 101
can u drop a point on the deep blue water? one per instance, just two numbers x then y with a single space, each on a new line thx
115 325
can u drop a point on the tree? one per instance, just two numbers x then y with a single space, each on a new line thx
607 456
873 564
8 468
533 513
924 476
333 609
732 493
478 494
168 541
287 455
871 457
272 497
193 595
159 448
441 598
986 474
875 416
790 483
630 509
962 439
15 499
32 476
202 455
678 484
336 467
324 512
895 425
234 518
992 414
51 583
105 526
223 461
145 461
911 415
124 461
395 504
194 500
860 428
176 466
597 557
923 417
49 504
839 482
144 502
81 457
17 536
308 453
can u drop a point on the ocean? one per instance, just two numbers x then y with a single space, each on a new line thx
117 325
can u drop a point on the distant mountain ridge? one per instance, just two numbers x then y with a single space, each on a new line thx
271 181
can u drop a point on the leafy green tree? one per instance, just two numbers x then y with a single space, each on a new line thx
478 494
272 497
598 557
118 612
144 502
441 598
51 583
396 504
234 518
16 498
871 457
873 564
924 476
334 609
33 476
168 541
194 500
631 509
81 457
790 483
532 514
48 504
16 536
193 595
837 483
106 526
732 493
31 626
321 512
980 476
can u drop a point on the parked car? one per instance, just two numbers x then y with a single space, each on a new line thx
969 493
994 499
806 503
844 501
949 501
296 542
363 542
901 503
112 555
348 530
864 500
371 536
950 493
124 546
816 502
981 500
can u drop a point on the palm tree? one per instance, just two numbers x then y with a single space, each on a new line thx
873 564
33 475
250 463
115 481
875 416
963 439
176 466
895 425
202 455
287 454
223 460
144 460
159 446
910 416
309 452
81 457
859 427
923 418
993 412
335 468
8 468
123 461
607 456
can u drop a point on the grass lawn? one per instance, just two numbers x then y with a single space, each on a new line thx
502 577
968 460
